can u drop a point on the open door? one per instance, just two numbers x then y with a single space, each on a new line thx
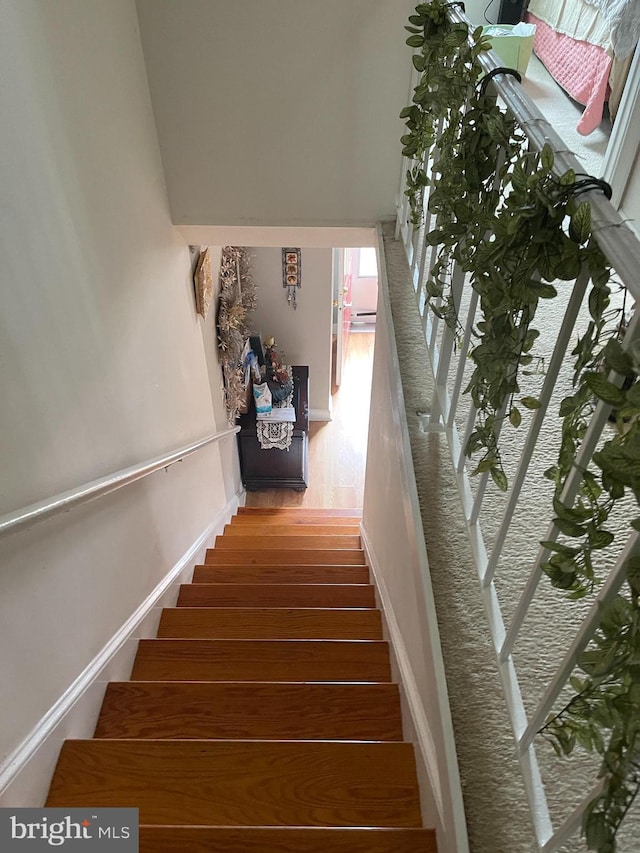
345 279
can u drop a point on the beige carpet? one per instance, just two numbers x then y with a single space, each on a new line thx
564 114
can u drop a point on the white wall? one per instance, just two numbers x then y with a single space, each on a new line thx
475 11
239 235
102 356
303 335
278 112
630 204
395 546
364 293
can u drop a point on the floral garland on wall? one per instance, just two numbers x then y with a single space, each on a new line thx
238 296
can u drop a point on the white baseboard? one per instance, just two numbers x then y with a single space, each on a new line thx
419 729
425 742
320 415
26 774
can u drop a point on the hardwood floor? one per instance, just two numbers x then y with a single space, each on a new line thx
338 449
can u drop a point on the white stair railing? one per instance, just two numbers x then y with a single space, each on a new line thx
449 359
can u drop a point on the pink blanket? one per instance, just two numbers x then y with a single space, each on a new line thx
582 69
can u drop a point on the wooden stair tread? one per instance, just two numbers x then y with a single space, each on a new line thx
242 783
276 595
251 527
280 574
261 839
271 710
260 660
263 717
302 556
271 623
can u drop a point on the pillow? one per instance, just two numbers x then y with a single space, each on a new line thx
262 396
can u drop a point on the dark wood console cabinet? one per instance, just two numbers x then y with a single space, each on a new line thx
286 469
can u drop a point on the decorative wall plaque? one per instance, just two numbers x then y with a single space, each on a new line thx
291 273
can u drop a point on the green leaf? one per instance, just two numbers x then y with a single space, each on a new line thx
530 338
589 660
580 225
485 465
543 290
500 479
569 528
415 41
568 178
568 268
633 395
598 301
632 568
530 402
596 830
600 539
617 359
604 390
546 157
559 548
515 417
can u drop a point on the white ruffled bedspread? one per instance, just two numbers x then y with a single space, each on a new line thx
623 18
612 24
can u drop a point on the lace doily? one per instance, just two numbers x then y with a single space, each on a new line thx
276 434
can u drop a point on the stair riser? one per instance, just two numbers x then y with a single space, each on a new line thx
256 528
280 595
270 624
281 574
302 556
271 541
265 840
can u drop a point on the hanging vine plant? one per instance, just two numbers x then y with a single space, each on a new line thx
603 716
447 62
540 233
516 227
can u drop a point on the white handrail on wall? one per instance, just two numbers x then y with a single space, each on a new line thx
621 246
103 486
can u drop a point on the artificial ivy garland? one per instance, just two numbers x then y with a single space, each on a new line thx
514 226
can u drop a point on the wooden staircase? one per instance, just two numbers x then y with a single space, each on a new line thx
262 718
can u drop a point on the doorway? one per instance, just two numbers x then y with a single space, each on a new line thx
355 289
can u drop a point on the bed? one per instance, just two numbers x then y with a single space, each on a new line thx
587 47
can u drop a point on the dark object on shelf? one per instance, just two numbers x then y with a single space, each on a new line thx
511 11
286 469
280 390
255 342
